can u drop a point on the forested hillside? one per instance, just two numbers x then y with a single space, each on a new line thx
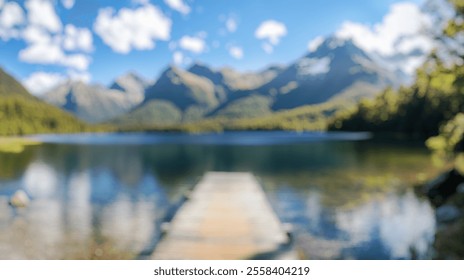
418 111
22 113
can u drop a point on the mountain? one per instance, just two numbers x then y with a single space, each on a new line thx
336 70
189 95
22 113
232 80
334 67
9 87
152 113
183 89
132 85
96 103
177 95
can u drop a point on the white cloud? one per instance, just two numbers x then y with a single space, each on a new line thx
42 53
52 54
231 24
44 48
47 42
1 3
42 13
77 39
11 16
271 31
402 26
193 44
132 28
315 43
40 82
236 52
79 76
410 64
178 5
77 61
178 58
407 45
36 35
68 4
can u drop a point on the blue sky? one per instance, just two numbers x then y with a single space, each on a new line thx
44 42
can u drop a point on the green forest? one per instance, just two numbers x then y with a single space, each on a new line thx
304 118
21 113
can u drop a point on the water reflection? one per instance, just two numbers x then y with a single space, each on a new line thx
402 223
12 166
346 199
40 180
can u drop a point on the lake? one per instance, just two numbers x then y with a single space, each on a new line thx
105 196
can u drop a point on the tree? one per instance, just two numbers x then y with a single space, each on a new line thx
419 110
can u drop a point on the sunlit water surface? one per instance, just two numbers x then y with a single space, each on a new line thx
104 196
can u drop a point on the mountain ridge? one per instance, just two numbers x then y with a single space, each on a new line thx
335 67
96 103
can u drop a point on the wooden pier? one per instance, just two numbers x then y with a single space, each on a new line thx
227 216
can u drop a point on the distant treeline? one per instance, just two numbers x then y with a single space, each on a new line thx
310 117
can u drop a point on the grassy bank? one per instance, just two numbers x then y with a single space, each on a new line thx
15 144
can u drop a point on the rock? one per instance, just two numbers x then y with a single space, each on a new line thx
428 186
19 199
440 189
447 214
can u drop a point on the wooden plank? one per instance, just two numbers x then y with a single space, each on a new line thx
227 216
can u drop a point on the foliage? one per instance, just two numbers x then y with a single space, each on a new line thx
22 115
455 25
15 145
154 112
449 144
10 87
415 111
310 117
249 107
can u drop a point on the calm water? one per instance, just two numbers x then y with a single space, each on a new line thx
103 196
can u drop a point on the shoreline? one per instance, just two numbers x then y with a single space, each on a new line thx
16 144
